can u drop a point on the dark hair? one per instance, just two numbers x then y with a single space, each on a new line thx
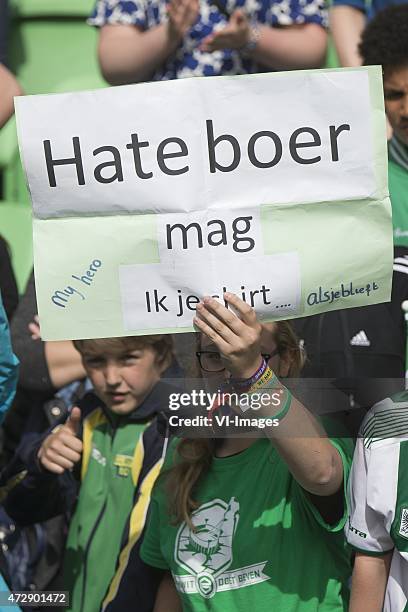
385 39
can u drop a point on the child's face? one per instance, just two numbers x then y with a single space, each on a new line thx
123 378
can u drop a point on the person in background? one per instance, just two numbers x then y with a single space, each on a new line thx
141 41
8 284
8 366
356 356
348 18
377 526
9 86
385 42
363 349
51 380
8 382
46 368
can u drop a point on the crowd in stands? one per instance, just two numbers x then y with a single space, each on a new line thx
101 499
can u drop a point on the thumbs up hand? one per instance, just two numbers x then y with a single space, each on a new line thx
73 423
62 449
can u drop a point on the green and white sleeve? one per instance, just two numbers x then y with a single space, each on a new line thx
372 491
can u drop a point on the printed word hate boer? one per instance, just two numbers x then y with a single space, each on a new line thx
304 146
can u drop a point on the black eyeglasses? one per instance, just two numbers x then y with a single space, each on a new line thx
210 361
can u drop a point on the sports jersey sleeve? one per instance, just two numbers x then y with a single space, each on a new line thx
126 12
366 529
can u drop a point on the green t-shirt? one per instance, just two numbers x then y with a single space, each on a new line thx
398 186
260 545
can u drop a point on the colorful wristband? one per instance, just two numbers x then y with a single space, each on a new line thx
265 379
243 384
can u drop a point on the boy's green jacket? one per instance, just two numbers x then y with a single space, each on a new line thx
121 459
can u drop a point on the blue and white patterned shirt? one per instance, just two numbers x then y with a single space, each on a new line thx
188 60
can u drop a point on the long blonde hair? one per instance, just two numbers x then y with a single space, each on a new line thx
193 456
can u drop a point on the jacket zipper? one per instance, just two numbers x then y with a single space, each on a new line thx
88 545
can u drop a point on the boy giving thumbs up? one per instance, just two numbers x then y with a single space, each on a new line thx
62 449
107 445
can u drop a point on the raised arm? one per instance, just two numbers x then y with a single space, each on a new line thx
302 443
45 366
347 24
64 363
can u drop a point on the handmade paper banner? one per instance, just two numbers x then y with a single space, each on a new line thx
148 197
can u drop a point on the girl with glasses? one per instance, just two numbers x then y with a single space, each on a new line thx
248 523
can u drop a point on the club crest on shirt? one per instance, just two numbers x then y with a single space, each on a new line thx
123 463
403 530
206 551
